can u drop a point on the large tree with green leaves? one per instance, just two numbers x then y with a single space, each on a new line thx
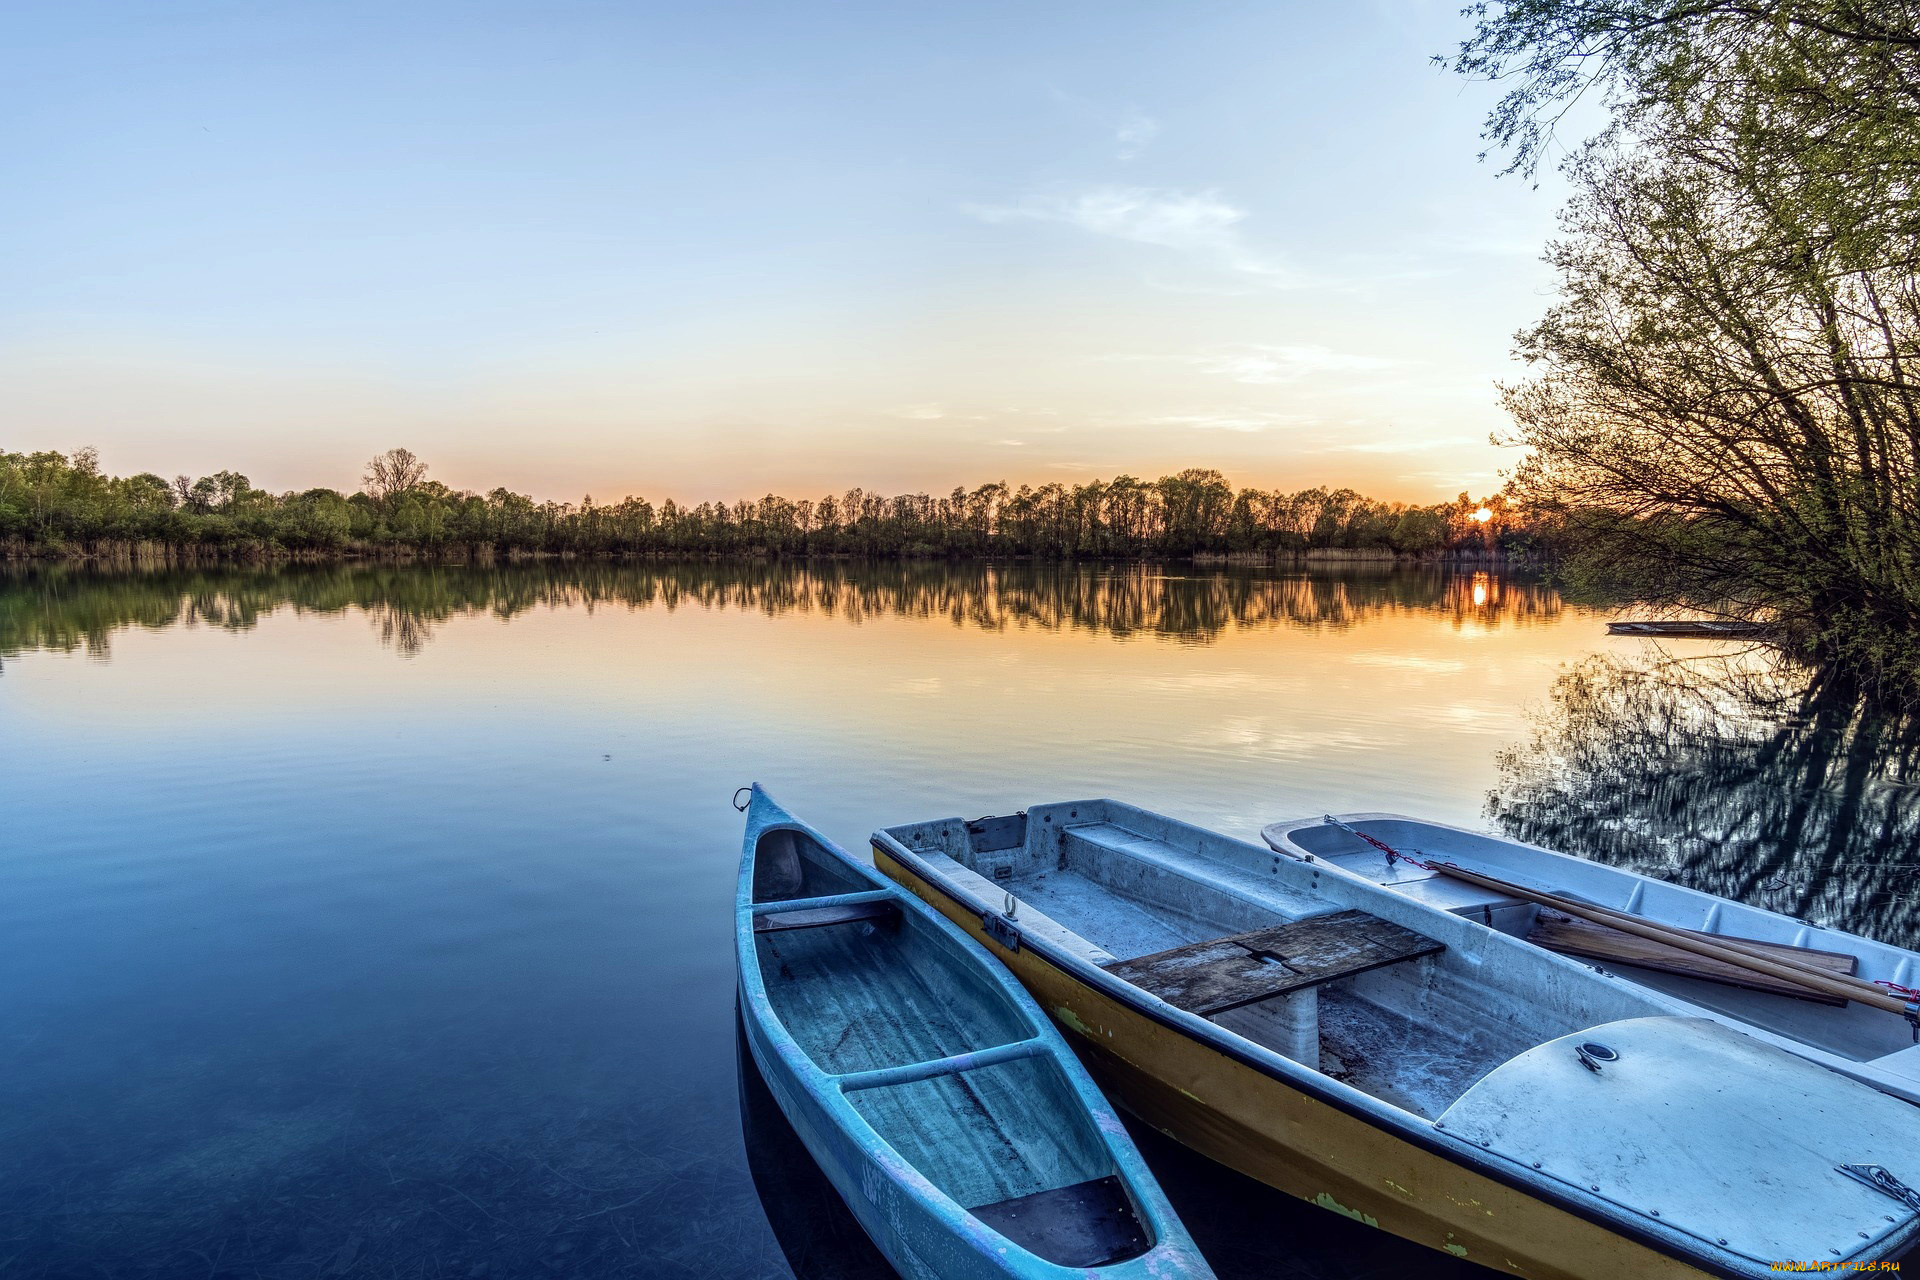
1724 401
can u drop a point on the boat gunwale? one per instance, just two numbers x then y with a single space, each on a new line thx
1506 1170
1299 854
1171 1243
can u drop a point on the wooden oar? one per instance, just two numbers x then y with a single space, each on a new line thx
1786 970
1747 946
1611 917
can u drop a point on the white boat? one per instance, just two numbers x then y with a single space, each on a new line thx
1398 1062
1854 1039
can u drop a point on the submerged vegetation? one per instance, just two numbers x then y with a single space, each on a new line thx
1724 410
56 505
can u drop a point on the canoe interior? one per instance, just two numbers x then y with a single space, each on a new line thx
1009 1140
791 864
1853 1032
860 996
989 1135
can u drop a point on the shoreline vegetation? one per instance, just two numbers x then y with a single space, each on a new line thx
56 506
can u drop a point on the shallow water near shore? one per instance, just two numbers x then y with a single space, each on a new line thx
369 921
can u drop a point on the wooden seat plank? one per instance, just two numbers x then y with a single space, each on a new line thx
1219 974
815 917
1589 940
1088 1224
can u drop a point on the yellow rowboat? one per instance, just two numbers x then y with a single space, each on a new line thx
1413 1068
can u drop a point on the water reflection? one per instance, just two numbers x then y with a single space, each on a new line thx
318 962
64 608
1732 774
817 1234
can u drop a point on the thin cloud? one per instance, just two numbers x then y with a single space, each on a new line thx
1404 446
1248 421
1135 134
1133 129
1262 364
1199 224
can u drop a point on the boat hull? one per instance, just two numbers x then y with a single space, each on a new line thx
1234 1113
917 1245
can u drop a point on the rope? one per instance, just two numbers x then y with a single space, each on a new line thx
1393 854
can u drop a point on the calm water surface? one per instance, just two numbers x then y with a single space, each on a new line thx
375 922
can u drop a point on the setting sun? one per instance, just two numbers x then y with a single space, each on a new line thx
1483 515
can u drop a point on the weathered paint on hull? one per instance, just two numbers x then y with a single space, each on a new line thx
922 1231
886 1215
1249 1121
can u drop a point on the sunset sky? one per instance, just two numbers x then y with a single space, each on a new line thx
711 250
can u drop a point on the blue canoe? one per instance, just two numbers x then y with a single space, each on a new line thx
944 1107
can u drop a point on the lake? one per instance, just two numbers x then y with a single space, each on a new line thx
375 921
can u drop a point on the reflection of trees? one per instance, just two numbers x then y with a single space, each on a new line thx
1765 784
401 630
65 608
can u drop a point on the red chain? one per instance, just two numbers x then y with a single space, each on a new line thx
1393 854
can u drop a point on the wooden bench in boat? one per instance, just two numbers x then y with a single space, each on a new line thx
1554 931
1088 1224
1220 974
814 913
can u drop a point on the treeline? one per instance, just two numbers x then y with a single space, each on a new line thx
53 504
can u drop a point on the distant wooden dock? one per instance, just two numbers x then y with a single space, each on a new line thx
1704 628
